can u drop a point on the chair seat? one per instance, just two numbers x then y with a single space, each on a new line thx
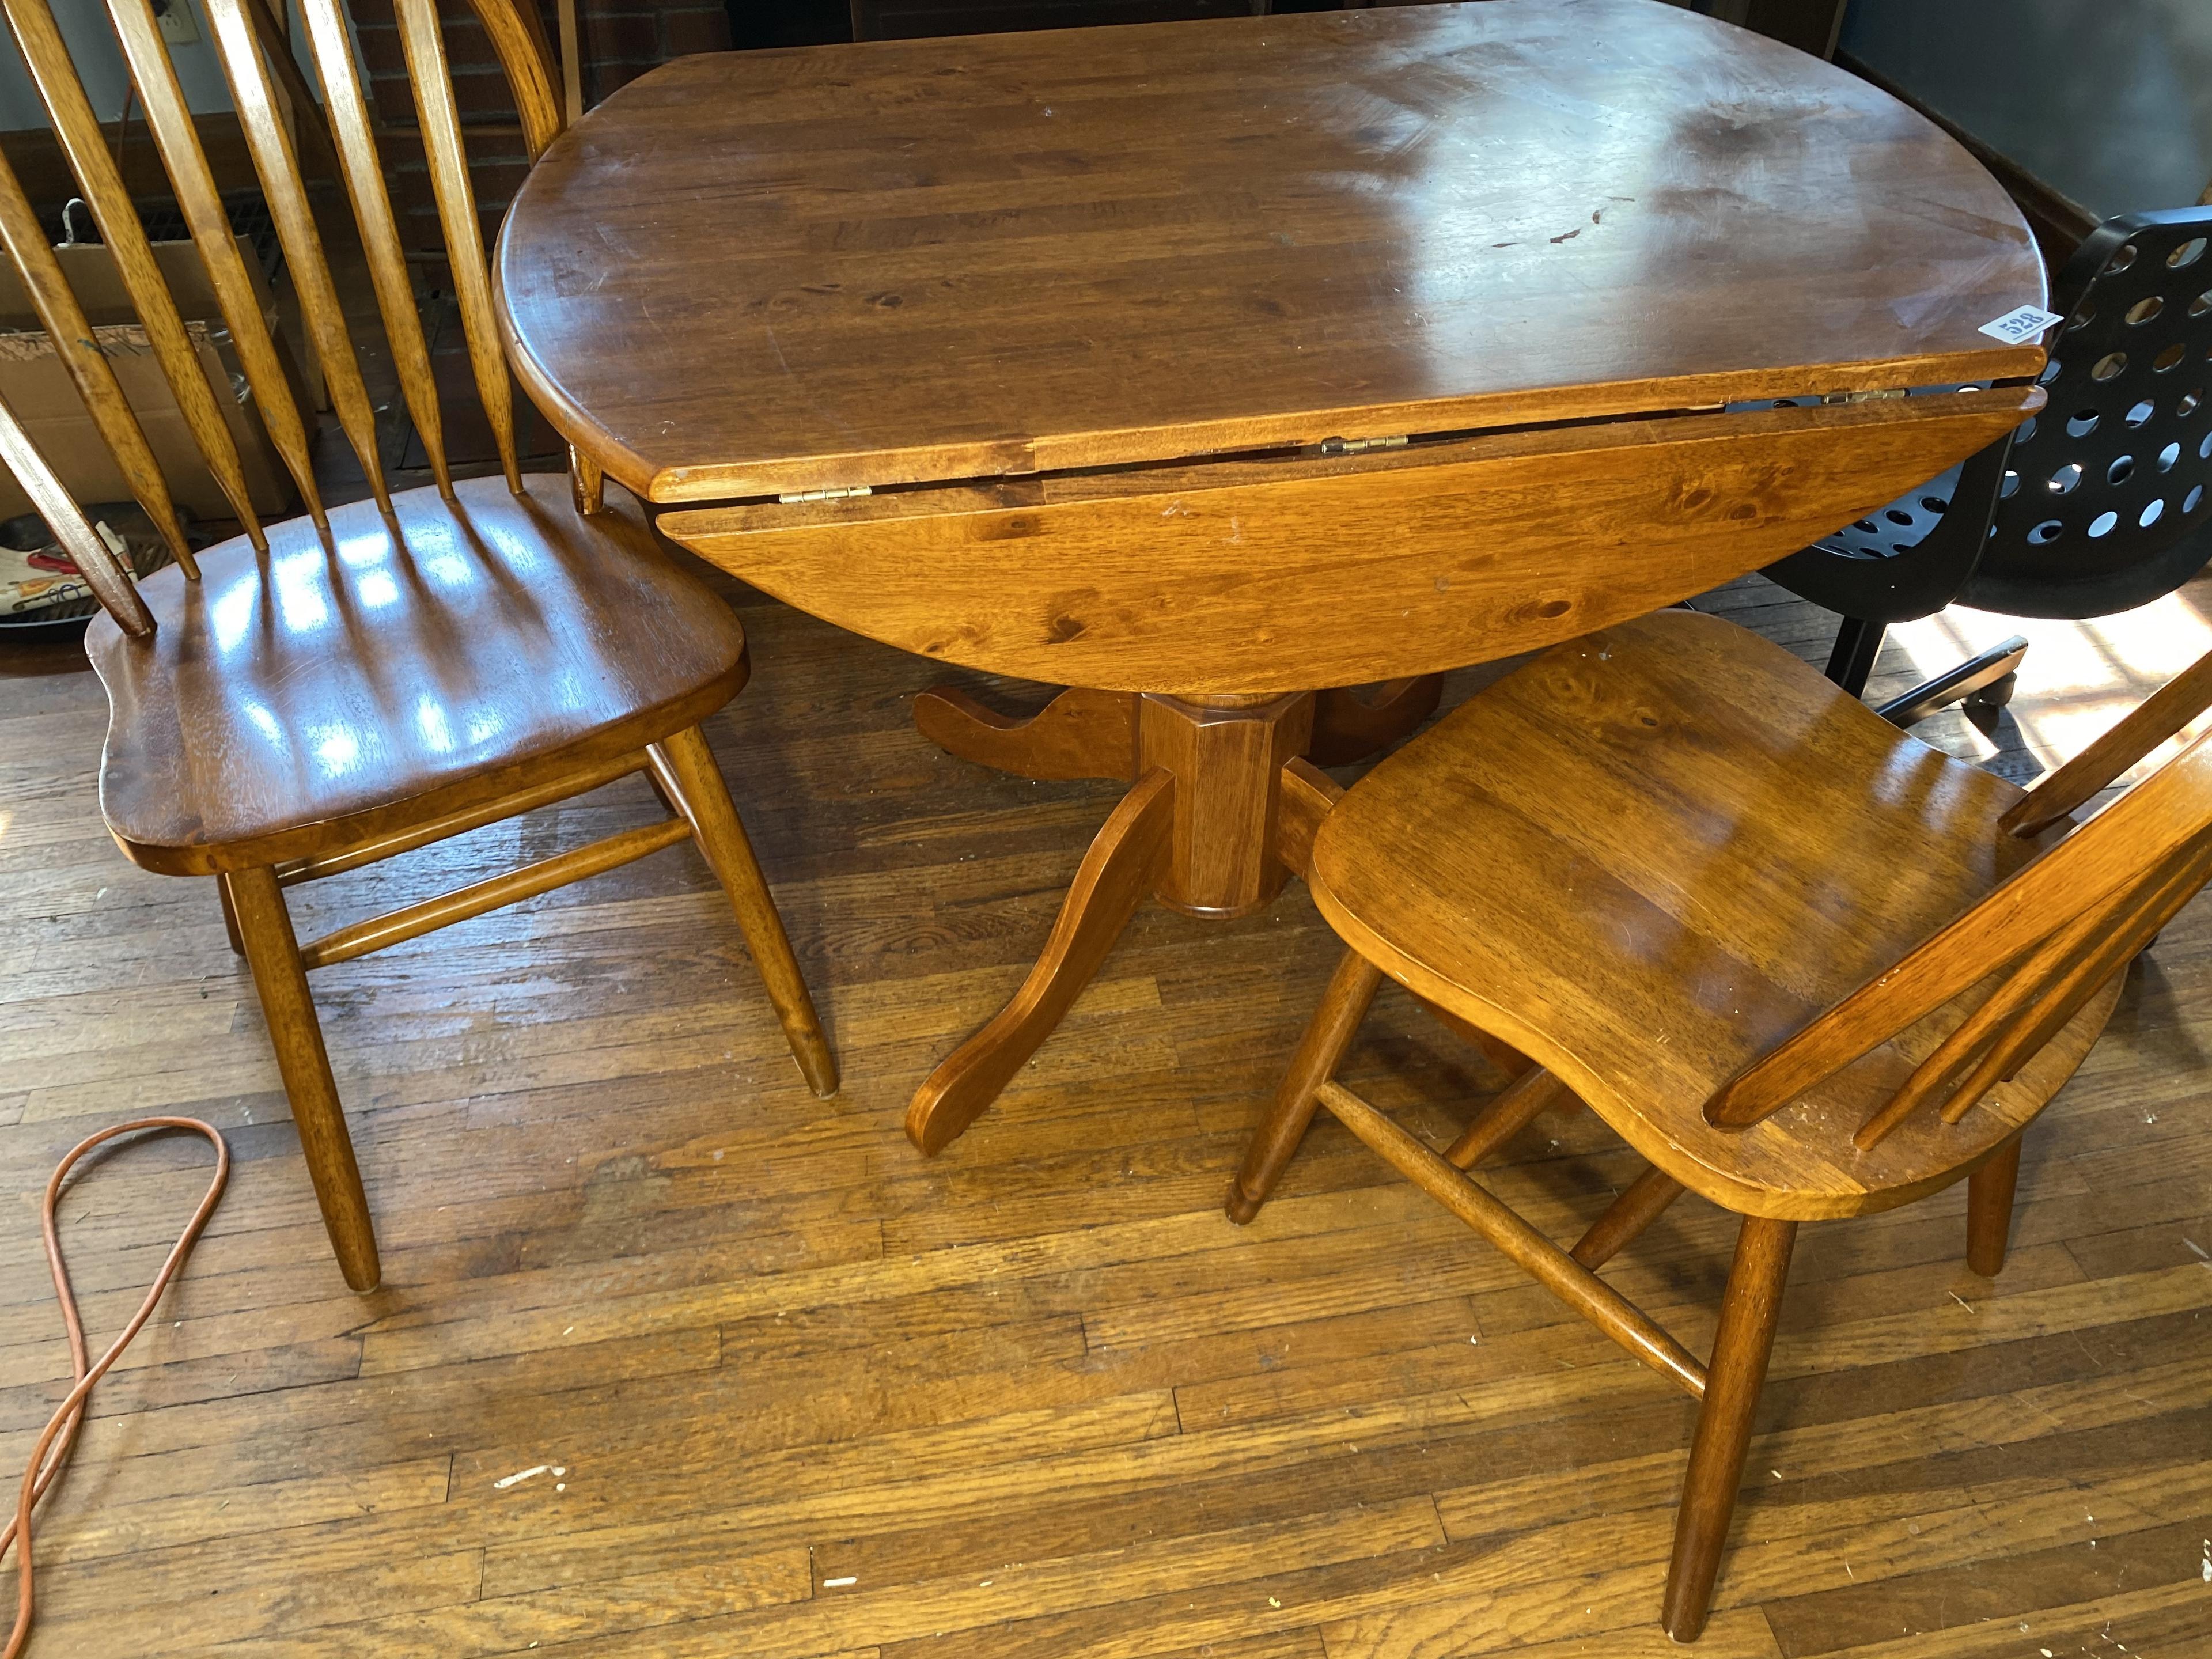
287 703
1650 855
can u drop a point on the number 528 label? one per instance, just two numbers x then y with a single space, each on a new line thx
2017 327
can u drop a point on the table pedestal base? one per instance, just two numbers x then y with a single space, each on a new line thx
1222 811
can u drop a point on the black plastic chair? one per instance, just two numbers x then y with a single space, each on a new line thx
2097 505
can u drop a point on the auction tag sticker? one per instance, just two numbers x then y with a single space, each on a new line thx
2016 327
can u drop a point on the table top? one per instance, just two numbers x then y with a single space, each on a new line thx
755 273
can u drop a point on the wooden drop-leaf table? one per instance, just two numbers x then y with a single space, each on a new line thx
1209 370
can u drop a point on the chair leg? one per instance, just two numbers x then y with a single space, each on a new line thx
1858 642
1734 1379
1344 1005
687 771
1515 1108
229 916
272 950
1986 680
1989 1210
1643 1202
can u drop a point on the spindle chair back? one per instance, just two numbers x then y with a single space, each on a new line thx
2035 951
311 696
1805 965
255 57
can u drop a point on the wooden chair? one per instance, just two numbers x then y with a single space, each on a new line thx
1805 965
315 695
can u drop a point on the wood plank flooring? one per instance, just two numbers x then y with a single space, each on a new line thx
673 1359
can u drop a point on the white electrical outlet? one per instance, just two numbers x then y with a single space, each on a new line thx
178 27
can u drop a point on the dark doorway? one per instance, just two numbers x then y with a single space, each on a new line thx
789 22
815 22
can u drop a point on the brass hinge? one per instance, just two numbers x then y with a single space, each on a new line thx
837 495
1358 446
1862 396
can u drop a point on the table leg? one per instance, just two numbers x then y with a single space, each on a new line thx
1349 726
1124 862
1080 733
1227 753
1204 831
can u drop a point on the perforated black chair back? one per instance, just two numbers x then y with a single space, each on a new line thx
2099 504
1907 559
2104 503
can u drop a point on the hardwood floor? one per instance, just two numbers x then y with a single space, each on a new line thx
672 1359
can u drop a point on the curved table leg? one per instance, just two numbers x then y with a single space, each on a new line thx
1125 860
1221 815
1348 727
1080 733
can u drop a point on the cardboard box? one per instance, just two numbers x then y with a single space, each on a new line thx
38 389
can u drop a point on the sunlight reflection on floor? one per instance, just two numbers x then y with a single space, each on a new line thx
2079 677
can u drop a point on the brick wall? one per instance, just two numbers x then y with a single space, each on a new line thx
621 39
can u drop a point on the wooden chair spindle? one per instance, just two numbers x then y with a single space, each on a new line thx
77 345
276 161
425 50
518 39
84 142
2149 724
364 171
169 119
110 582
2065 998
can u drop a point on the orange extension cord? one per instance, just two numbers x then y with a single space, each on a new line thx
60 1434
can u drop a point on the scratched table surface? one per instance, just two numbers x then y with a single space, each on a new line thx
763 272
